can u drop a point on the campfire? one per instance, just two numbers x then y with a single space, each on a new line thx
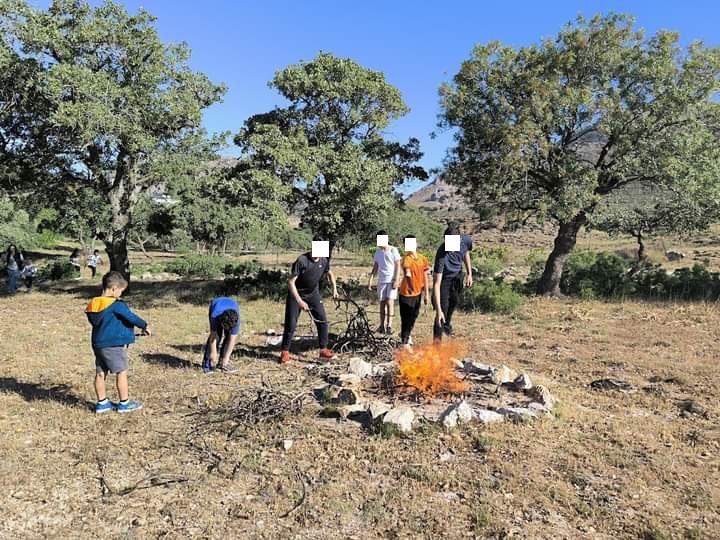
430 369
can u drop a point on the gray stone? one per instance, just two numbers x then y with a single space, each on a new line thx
457 413
673 255
377 408
352 409
348 396
270 332
503 374
487 416
542 395
522 382
360 367
273 341
517 414
286 444
539 409
381 369
471 366
400 417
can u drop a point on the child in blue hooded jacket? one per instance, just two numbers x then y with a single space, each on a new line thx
112 331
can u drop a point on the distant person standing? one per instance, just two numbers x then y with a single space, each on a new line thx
414 288
13 263
75 261
386 264
93 261
448 281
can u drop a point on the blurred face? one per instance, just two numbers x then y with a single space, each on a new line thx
12 249
115 292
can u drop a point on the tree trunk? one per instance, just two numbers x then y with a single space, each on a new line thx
122 197
549 284
141 245
641 246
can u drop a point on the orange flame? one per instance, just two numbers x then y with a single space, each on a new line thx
430 368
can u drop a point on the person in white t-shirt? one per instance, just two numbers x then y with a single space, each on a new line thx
386 264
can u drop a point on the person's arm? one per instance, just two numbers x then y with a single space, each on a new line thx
468 269
426 285
372 273
212 343
439 315
294 292
397 272
333 282
128 316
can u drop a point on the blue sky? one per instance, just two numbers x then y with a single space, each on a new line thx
417 44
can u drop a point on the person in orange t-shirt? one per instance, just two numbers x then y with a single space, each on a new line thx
414 289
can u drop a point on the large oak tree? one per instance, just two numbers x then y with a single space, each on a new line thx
551 130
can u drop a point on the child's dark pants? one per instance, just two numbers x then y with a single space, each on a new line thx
409 311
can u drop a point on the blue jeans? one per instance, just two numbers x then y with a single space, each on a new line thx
12 281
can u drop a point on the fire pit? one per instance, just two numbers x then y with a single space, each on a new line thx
430 383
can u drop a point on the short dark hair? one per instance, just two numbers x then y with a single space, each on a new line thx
410 236
453 227
96 251
114 279
381 231
228 319
318 238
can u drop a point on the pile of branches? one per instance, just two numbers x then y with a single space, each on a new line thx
253 406
359 337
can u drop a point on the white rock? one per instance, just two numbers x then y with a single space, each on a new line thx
542 395
348 379
517 414
270 332
273 341
503 374
522 382
486 416
401 417
377 408
349 410
381 369
287 444
539 408
360 367
459 364
348 396
457 413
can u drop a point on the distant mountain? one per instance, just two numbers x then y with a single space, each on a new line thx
441 199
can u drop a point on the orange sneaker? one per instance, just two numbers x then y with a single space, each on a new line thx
327 354
284 357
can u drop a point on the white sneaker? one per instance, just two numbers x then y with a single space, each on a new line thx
410 341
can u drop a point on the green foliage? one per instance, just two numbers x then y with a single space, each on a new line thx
491 296
553 129
256 282
488 261
47 239
588 274
198 265
15 226
327 143
57 271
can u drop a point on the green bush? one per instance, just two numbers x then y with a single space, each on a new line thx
255 282
589 275
488 261
195 265
58 270
47 239
491 296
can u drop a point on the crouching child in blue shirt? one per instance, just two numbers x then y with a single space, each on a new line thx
112 331
224 315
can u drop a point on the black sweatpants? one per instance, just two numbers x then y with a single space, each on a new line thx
93 269
450 289
292 312
409 311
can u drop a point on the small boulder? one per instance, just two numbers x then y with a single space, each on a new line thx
273 341
471 366
400 417
270 332
486 416
522 382
353 409
360 367
517 414
348 396
457 413
612 384
503 374
673 255
286 444
377 408
542 395
539 409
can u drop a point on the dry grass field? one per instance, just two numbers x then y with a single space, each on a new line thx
606 465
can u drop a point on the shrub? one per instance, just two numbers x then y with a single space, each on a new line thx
207 266
255 282
58 270
488 261
588 274
493 296
47 239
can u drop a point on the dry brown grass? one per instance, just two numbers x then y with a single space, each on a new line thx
609 465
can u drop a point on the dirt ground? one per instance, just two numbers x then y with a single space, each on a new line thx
606 465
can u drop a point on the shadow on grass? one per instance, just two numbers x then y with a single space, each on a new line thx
169 361
149 294
59 393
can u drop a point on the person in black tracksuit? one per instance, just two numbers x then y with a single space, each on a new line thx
448 281
304 295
